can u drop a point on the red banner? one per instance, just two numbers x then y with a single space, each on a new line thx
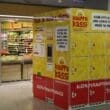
79 93
61 94
38 87
96 91
107 90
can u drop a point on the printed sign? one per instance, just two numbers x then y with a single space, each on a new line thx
62 38
80 20
61 69
39 38
100 21
49 66
39 49
49 33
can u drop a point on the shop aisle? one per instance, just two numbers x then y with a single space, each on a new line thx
18 96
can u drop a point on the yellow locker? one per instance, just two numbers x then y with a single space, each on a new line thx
78 69
79 44
108 67
107 43
97 68
39 66
96 44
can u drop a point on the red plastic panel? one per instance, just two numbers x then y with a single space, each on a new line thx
61 94
96 91
79 93
39 87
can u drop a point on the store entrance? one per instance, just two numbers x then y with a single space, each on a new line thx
16 37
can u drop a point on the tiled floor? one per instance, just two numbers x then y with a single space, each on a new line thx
18 96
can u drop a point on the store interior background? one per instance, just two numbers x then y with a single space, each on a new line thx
16 40
23 67
16 58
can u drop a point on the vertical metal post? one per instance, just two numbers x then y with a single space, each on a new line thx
108 4
0 55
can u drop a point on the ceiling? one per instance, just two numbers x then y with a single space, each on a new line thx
23 1
65 3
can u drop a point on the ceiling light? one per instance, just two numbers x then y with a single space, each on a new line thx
60 1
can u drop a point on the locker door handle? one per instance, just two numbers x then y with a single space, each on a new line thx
92 44
92 68
73 45
74 70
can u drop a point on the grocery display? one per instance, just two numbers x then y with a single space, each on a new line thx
16 50
71 57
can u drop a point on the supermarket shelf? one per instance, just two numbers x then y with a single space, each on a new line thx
17 30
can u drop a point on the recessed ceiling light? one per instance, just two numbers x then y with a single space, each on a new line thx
60 1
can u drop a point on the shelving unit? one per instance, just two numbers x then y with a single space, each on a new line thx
16 43
17 52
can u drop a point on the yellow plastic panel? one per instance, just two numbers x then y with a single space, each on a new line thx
79 69
97 68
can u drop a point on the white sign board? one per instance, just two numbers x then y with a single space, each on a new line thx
62 34
100 21
39 50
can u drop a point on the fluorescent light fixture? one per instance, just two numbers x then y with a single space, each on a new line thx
13 16
60 1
